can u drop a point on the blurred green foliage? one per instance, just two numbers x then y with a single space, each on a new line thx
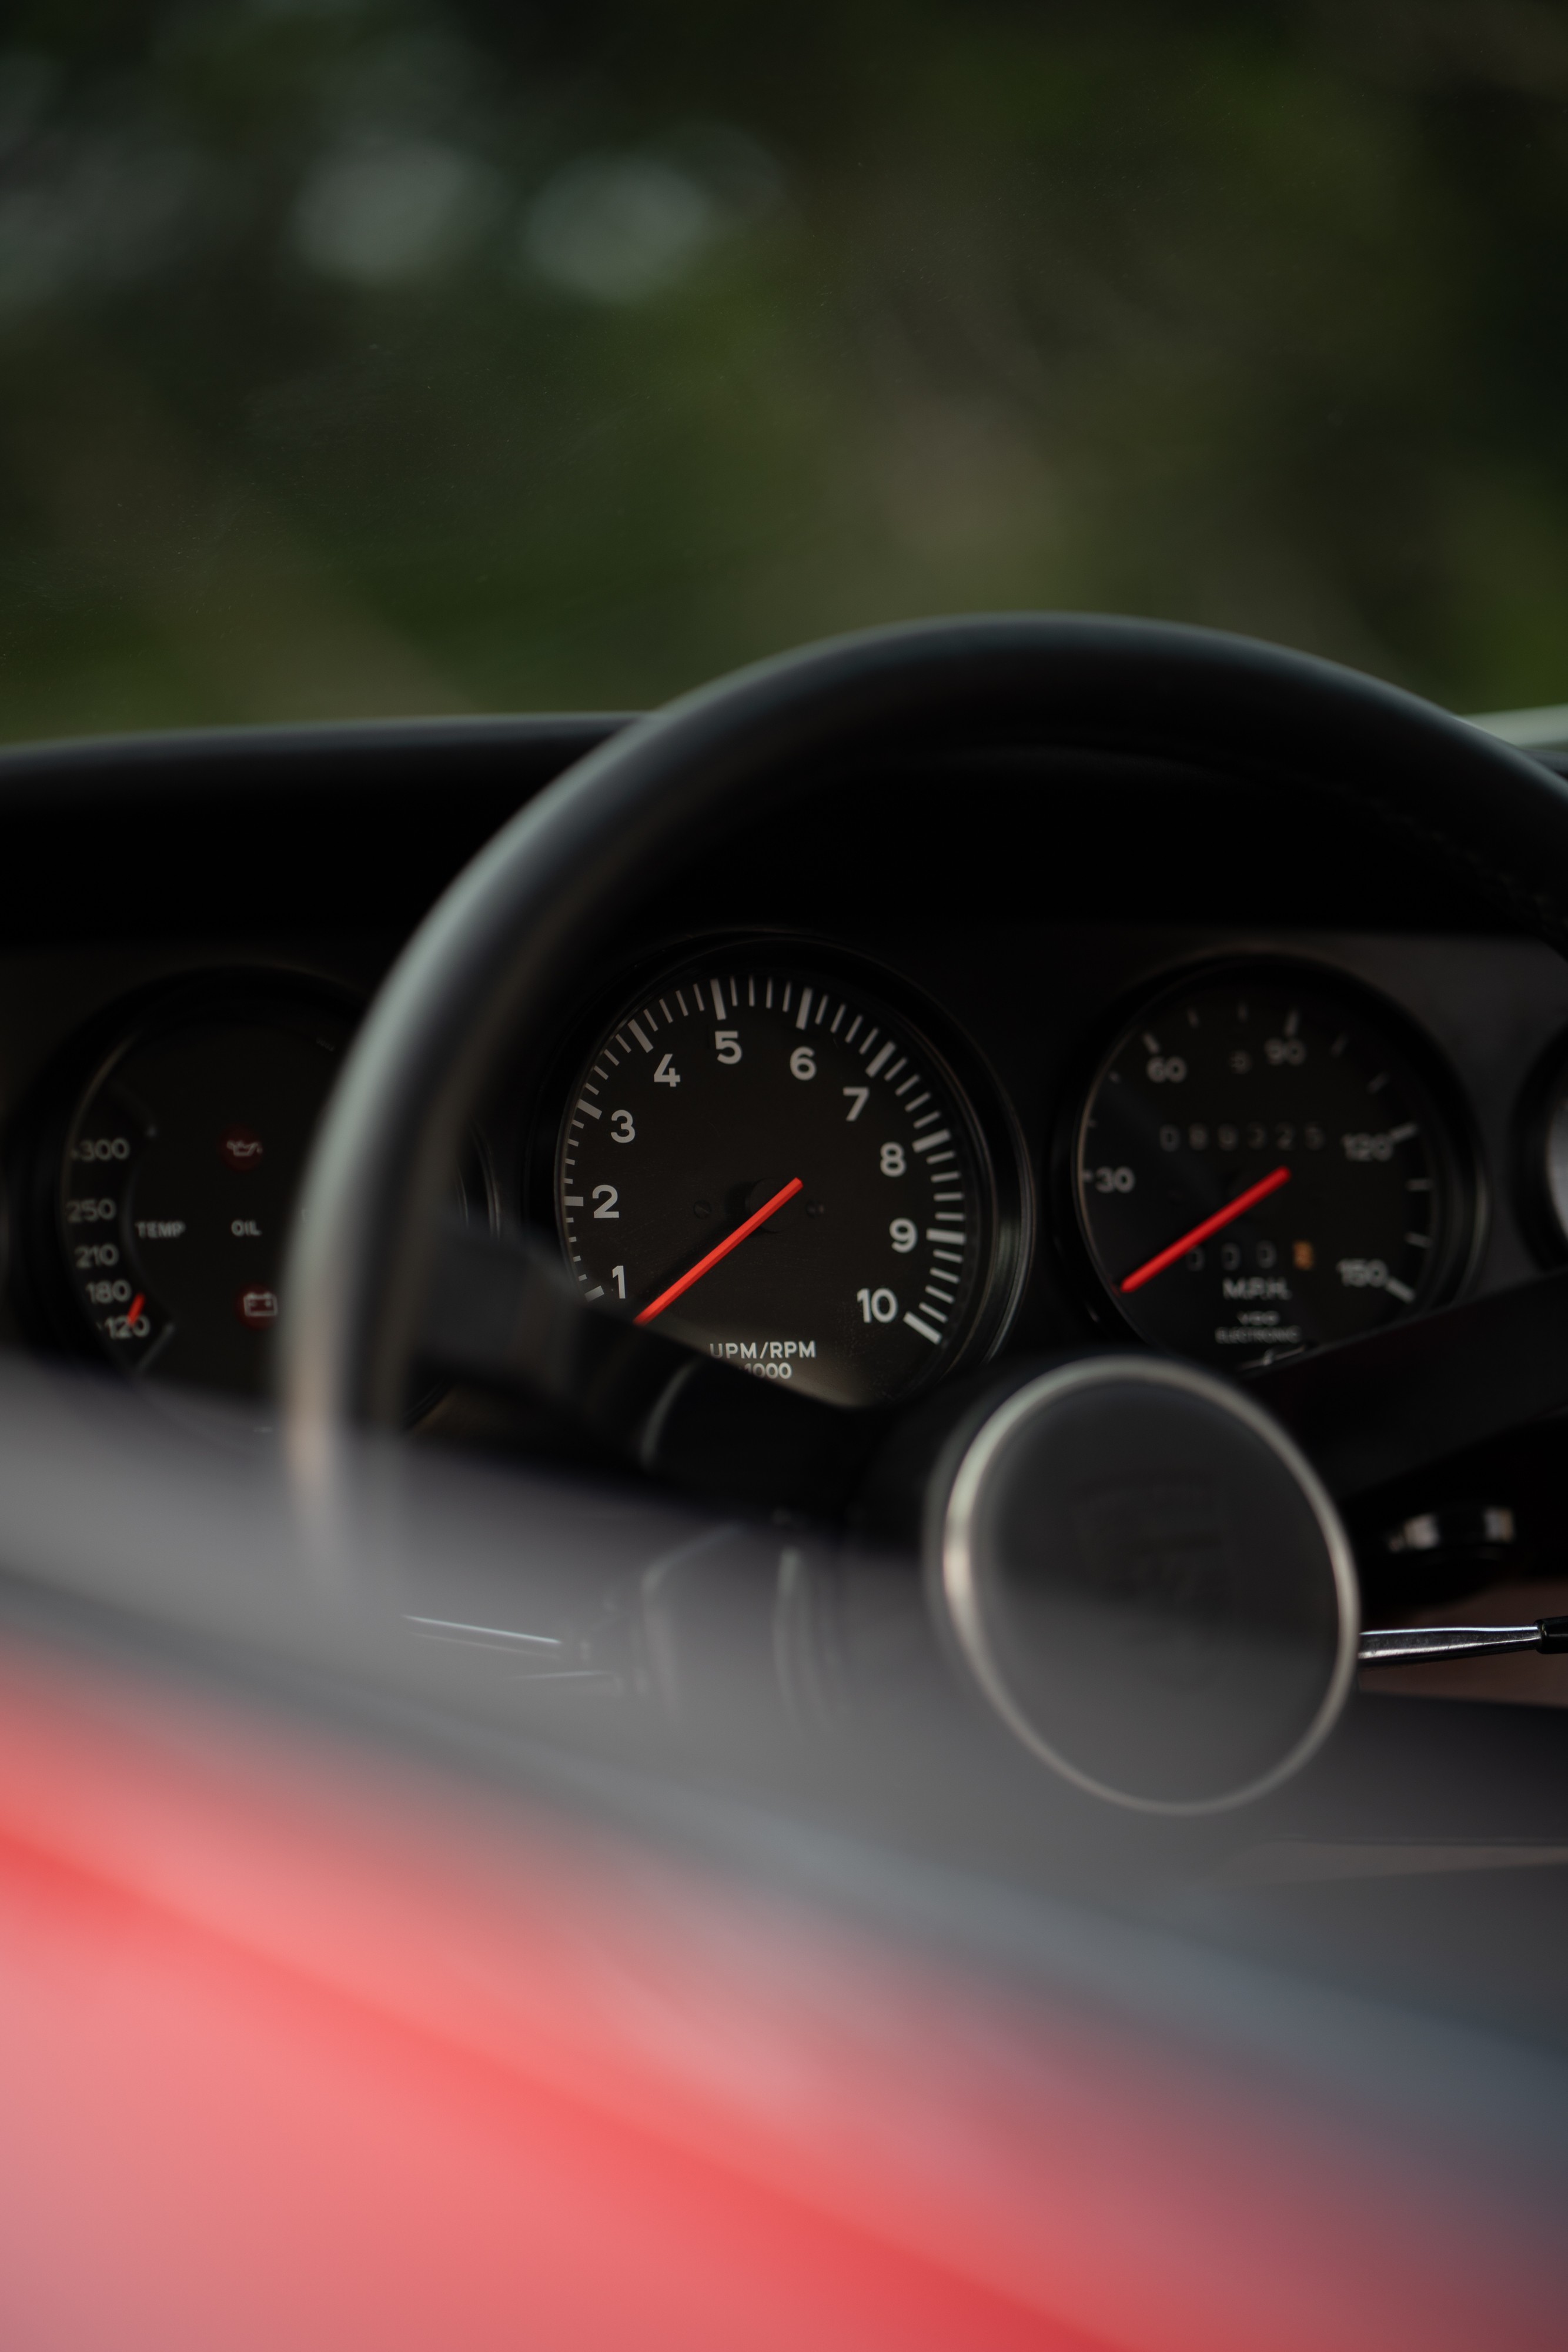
361 356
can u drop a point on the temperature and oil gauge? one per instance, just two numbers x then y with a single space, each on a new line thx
175 1178
162 1165
1263 1164
764 1159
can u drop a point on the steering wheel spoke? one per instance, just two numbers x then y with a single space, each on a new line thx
1371 1409
505 1313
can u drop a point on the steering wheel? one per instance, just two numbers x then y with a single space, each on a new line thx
374 1282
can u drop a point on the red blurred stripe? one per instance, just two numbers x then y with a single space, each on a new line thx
298 2053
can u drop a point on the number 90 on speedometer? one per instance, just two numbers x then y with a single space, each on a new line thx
1263 1163
762 1160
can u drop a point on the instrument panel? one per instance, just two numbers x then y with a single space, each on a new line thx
840 1169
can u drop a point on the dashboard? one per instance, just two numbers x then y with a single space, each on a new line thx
981 1057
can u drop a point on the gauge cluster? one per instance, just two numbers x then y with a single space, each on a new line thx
849 1173
859 1176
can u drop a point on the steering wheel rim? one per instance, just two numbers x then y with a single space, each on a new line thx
494 957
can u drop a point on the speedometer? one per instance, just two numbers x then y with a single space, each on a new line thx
768 1162
1264 1163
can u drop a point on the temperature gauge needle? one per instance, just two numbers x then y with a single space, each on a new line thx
731 1241
1221 1217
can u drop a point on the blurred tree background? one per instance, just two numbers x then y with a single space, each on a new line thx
368 356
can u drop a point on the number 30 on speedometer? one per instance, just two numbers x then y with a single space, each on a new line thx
767 1163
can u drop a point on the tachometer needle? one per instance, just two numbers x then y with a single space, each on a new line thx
722 1249
1221 1217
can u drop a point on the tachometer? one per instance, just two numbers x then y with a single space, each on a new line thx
1262 1165
766 1162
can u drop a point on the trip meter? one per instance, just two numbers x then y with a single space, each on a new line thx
1262 1165
765 1160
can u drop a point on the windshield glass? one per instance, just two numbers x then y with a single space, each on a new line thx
361 357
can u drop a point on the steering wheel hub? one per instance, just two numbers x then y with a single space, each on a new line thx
1147 1582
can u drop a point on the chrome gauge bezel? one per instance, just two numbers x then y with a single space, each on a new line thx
1001 1155
1456 1143
1543 1093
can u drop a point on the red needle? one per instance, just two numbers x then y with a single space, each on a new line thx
1221 1217
731 1241
136 1306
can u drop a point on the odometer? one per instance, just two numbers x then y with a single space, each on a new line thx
1262 1165
770 1165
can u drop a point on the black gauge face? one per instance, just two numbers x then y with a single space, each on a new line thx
1261 1168
769 1165
177 1184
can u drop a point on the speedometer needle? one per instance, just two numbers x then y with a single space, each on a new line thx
722 1249
1221 1217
